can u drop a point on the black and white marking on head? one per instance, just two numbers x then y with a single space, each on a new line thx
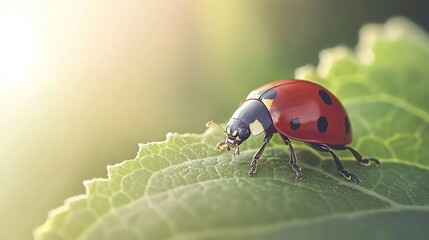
322 124
295 123
347 124
325 97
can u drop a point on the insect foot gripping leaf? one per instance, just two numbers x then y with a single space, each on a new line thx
183 188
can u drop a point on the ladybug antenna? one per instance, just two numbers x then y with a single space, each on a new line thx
211 123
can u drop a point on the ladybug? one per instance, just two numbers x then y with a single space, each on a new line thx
296 109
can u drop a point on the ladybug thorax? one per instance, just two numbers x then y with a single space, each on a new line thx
253 114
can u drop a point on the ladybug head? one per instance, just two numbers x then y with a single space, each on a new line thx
236 133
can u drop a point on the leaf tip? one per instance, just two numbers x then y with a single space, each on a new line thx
56 214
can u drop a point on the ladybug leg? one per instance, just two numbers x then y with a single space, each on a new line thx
356 154
340 167
254 163
292 162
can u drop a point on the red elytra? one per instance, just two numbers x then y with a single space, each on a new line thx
306 101
296 109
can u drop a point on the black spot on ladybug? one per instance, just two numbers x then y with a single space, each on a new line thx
325 97
347 124
295 123
270 94
322 124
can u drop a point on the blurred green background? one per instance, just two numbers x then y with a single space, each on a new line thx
82 82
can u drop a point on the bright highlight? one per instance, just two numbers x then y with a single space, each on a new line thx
17 45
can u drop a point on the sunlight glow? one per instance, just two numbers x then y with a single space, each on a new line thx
17 45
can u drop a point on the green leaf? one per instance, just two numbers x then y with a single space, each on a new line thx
183 188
